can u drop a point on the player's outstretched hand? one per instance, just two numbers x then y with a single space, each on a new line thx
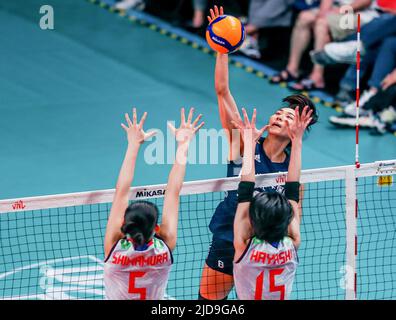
297 128
214 13
134 130
248 128
187 129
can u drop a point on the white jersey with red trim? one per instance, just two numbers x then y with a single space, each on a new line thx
130 274
266 272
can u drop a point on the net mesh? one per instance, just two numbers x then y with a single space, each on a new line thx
57 253
376 264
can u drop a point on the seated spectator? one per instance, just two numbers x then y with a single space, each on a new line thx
377 44
199 13
265 14
380 111
323 21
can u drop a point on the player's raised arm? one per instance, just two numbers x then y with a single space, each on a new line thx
296 131
227 106
242 226
136 136
184 134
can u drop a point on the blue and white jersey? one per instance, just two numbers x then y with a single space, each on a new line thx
137 273
222 221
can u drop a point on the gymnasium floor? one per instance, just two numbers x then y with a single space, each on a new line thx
63 94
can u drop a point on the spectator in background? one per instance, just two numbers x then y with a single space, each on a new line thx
264 14
380 111
301 5
199 13
324 22
378 50
381 78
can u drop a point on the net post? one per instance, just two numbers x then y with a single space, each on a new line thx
351 233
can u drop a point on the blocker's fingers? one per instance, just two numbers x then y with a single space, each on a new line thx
309 114
182 116
134 116
124 127
199 127
254 117
288 129
196 120
304 112
209 19
306 124
263 129
237 125
221 10
245 116
212 14
141 123
150 134
297 115
171 127
190 115
128 120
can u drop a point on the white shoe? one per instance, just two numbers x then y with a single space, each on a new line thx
251 48
342 52
388 115
130 4
350 109
345 120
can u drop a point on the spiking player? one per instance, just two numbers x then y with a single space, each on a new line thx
139 252
267 225
271 155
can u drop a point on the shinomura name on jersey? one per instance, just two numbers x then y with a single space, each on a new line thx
137 272
140 261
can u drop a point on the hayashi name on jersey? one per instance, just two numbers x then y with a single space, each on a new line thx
271 259
140 261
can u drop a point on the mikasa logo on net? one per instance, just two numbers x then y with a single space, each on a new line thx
150 193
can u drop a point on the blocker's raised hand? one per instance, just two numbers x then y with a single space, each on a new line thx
248 128
134 130
187 129
297 128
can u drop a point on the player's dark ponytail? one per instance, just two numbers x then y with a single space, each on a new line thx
140 220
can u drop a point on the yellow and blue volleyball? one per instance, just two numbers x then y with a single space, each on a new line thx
225 34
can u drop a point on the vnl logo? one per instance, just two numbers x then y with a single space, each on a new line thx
18 205
47 21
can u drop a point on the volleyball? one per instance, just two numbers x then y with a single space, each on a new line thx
225 34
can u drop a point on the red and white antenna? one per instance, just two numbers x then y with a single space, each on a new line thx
357 163
357 93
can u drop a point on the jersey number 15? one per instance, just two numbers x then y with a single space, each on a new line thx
272 287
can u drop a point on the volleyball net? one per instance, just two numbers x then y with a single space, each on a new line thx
51 247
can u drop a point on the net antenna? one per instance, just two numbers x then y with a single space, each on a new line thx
352 295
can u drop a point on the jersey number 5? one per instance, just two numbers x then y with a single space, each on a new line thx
272 287
132 284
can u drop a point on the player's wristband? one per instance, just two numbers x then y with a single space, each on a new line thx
292 191
245 191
